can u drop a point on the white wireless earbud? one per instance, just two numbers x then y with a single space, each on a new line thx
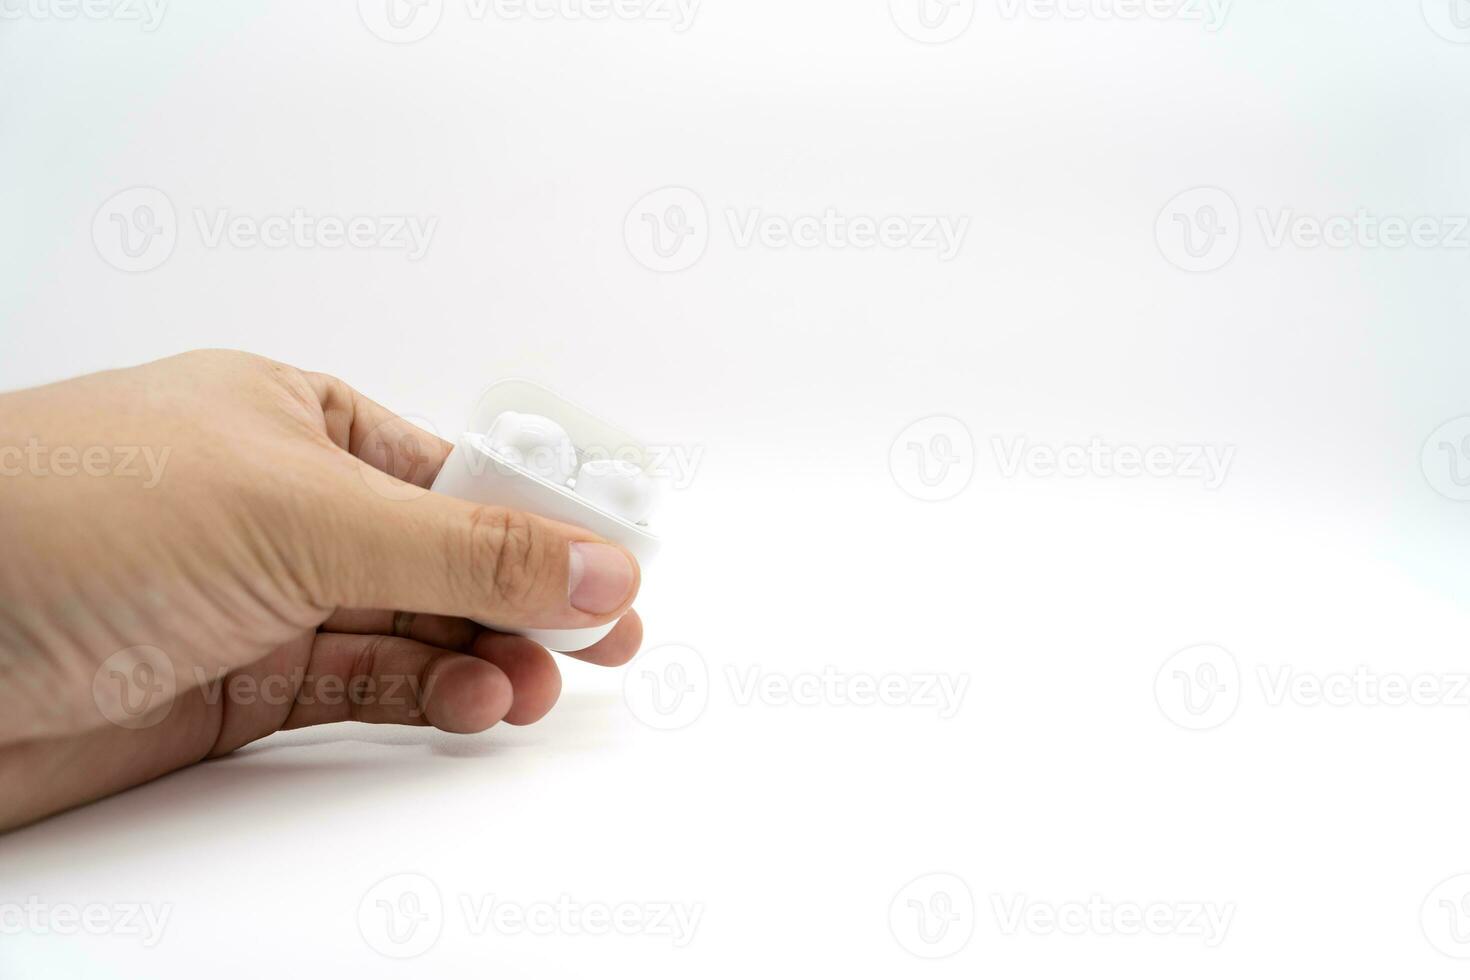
618 487
535 443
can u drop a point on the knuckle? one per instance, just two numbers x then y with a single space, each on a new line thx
507 557
332 388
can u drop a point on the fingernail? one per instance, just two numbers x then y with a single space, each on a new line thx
601 576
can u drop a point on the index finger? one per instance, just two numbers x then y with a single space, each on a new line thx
377 436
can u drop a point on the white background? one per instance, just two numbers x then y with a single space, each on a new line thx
1334 543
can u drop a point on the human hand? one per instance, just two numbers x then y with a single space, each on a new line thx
214 547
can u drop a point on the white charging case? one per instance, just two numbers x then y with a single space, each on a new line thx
477 473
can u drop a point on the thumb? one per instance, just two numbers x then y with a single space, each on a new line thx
424 552
438 554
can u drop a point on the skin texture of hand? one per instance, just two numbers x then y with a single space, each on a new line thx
204 550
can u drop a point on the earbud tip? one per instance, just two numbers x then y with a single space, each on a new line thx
535 443
618 487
